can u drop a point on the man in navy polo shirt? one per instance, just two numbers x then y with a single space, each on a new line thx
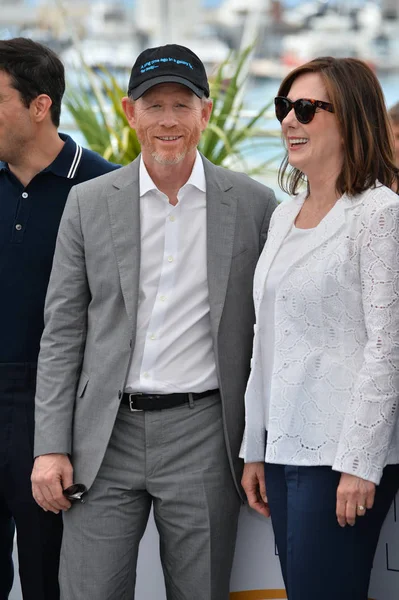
37 170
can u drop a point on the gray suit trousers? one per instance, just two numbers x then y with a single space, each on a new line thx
176 460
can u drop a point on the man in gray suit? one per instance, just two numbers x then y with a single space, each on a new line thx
146 350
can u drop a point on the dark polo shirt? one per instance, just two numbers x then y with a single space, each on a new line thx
29 220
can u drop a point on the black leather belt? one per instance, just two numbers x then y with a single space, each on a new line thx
161 401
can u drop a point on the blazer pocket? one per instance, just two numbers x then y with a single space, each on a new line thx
240 252
83 381
243 259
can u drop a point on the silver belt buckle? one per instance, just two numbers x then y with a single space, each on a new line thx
131 403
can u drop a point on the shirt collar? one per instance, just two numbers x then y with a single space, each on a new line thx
66 163
196 179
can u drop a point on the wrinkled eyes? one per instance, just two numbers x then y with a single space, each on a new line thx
304 108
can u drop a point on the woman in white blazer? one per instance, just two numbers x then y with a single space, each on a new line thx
321 442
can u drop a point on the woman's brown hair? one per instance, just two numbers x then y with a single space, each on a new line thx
362 117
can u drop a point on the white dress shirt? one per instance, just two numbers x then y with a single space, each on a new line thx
173 349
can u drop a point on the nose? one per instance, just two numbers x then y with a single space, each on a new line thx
168 118
290 115
289 120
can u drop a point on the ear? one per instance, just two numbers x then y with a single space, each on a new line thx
40 107
206 113
129 109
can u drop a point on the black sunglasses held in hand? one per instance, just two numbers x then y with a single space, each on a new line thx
305 108
75 492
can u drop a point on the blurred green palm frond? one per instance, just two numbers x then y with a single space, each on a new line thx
95 105
231 135
229 141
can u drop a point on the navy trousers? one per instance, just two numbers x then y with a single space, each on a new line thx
318 558
7 530
38 533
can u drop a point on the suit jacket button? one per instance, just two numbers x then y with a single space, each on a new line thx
119 394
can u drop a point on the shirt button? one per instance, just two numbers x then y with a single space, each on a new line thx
162 298
146 375
18 227
152 337
170 258
25 194
171 218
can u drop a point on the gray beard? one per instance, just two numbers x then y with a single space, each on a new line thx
161 160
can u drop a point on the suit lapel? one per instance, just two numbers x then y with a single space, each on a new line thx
124 214
221 219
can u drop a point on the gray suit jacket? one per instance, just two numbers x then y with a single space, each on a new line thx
91 309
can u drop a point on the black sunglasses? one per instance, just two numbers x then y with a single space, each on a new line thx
305 108
75 492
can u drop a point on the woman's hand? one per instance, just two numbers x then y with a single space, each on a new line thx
354 497
253 482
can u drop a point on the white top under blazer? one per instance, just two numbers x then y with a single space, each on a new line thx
334 386
281 262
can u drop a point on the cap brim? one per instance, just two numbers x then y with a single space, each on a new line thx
137 92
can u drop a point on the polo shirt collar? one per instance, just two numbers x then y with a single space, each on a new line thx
196 179
66 163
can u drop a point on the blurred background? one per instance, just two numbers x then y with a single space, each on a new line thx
277 35
247 46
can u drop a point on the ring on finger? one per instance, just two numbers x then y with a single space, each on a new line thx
361 507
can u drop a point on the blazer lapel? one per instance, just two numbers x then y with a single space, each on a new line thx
327 228
124 214
221 218
284 220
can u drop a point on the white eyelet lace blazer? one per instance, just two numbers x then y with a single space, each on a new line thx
335 382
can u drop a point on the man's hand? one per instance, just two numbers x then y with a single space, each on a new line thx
354 497
253 482
51 474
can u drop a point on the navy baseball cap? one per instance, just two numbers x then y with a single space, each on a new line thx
168 64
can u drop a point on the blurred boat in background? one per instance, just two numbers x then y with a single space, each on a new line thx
112 33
